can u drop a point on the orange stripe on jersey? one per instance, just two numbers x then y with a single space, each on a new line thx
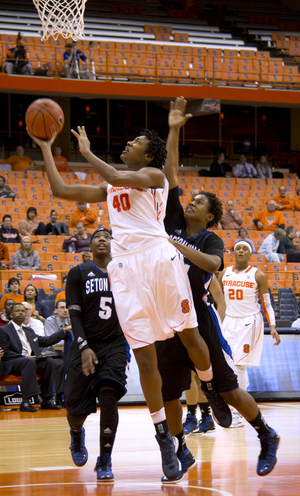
155 205
264 309
249 268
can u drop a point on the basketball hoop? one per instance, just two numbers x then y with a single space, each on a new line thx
61 18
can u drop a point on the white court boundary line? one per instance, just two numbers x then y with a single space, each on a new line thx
130 485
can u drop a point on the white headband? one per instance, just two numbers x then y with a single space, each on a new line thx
243 243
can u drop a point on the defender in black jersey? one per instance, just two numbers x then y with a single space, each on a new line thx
203 252
98 357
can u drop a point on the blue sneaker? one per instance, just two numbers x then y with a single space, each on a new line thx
206 425
220 410
170 463
78 450
267 458
190 424
103 468
187 461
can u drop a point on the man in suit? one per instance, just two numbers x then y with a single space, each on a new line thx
20 345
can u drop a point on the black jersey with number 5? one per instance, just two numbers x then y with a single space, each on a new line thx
89 287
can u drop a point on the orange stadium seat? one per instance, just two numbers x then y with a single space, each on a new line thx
73 257
197 74
138 47
47 240
275 267
50 266
275 285
185 57
162 37
199 51
66 266
227 259
184 50
55 257
247 54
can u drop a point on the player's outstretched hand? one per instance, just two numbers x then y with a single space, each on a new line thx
177 117
275 336
89 360
42 143
83 141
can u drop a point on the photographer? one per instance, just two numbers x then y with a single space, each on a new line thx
72 57
16 60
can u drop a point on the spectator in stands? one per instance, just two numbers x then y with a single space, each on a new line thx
26 258
35 324
19 344
287 247
78 242
297 200
8 233
84 214
62 294
60 320
86 256
72 57
5 316
270 246
283 202
31 226
5 190
39 310
244 236
17 61
60 162
13 293
55 227
269 219
219 168
244 168
19 162
4 255
231 219
263 168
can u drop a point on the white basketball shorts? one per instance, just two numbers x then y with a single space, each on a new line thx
245 337
152 294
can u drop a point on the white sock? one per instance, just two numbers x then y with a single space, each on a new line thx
205 375
158 416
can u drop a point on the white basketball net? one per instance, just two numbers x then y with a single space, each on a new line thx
61 18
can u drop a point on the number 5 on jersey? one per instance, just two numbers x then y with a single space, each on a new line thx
105 307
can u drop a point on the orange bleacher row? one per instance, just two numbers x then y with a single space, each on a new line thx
154 60
287 43
34 190
249 195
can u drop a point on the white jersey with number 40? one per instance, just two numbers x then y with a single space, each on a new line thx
241 292
136 217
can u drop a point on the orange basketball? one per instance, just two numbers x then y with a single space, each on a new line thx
44 117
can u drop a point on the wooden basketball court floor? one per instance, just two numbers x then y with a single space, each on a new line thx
35 459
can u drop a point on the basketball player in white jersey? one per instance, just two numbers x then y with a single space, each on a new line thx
149 283
243 326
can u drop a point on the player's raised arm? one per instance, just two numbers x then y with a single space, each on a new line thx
135 156
77 192
177 118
